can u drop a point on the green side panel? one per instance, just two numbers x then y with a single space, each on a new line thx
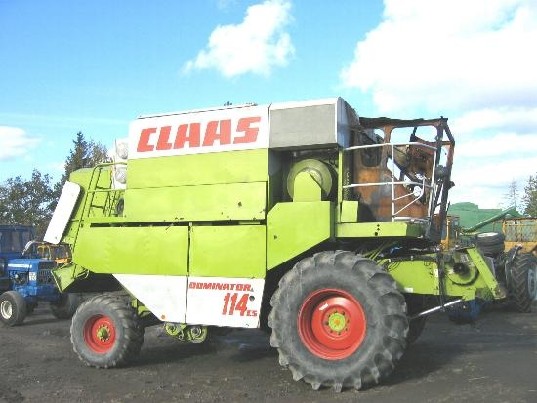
415 277
348 211
133 250
66 275
379 229
228 251
305 188
199 169
419 277
486 275
293 228
221 202
422 277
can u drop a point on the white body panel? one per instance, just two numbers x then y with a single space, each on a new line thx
221 301
164 296
62 213
212 301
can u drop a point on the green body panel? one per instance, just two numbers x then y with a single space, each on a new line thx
67 274
305 188
228 251
134 250
293 228
199 169
417 277
348 212
219 202
378 229
422 276
486 275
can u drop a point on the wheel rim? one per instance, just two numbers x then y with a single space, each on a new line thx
99 333
6 309
331 324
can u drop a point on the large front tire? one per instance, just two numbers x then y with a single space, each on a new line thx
523 281
338 320
106 332
12 308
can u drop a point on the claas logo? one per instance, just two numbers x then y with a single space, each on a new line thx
191 135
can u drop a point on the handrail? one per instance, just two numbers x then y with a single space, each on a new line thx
426 183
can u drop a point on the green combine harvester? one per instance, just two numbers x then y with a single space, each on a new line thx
302 218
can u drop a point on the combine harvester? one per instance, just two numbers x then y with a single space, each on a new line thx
299 217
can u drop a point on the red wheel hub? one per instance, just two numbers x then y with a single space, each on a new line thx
331 324
100 333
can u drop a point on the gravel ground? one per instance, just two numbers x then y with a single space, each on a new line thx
493 360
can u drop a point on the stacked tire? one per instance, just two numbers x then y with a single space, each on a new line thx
491 244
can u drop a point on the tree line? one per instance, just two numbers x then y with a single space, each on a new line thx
32 201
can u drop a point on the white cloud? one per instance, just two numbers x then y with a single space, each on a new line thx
509 143
471 61
437 54
522 119
256 45
14 142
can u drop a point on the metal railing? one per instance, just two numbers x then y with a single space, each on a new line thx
424 185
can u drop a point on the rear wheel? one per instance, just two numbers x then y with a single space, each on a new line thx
338 320
523 281
12 308
106 332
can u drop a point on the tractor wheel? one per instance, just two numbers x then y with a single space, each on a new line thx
523 281
66 306
490 243
12 308
106 332
339 321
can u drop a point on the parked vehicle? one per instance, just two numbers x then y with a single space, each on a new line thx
301 217
26 281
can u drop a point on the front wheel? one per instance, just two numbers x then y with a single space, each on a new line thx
12 308
338 320
106 332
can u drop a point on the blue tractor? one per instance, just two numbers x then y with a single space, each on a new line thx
26 279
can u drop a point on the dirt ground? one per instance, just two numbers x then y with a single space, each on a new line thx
493 360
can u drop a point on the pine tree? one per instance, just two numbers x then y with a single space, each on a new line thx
512 195
529 199
85 154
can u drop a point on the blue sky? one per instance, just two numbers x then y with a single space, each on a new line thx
94 66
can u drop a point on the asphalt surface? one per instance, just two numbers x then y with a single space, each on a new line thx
493 360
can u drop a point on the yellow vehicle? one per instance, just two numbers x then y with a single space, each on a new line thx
521 232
